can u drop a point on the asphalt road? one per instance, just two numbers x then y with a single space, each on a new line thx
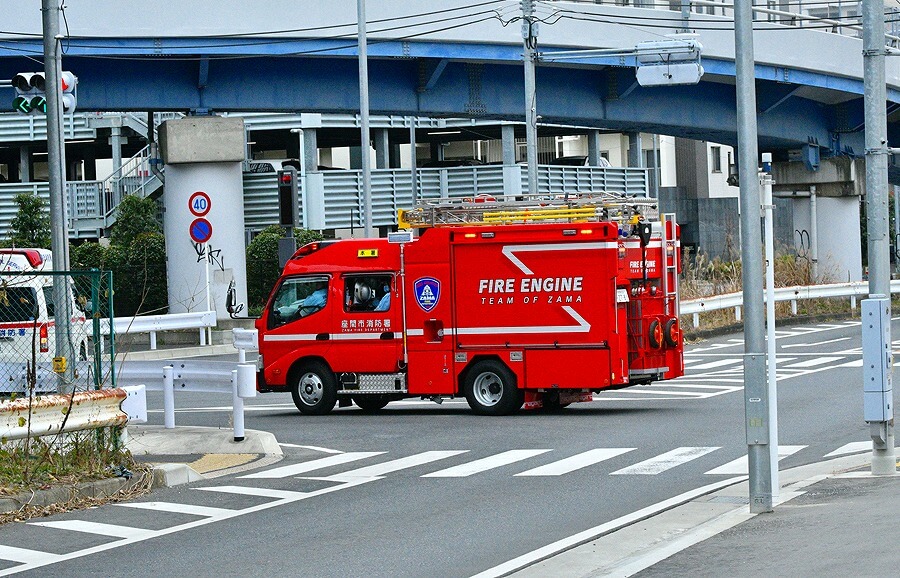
432 490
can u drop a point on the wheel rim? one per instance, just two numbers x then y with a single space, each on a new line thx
488 389
311 389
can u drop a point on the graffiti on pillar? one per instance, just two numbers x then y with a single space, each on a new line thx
206 252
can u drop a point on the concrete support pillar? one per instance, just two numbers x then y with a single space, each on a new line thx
394 156
310 151
115 140
508 143
593 138
382 146
90 166
25 164
635 158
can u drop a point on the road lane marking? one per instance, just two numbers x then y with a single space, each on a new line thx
113 530
587 535
485 464
813 362
854 363
250 491
576 462
175 508
717 363
25 556
851 448
664 461
815 344
740 465
314 448
317 464
378 470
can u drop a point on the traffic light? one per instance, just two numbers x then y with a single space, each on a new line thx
287 197
31 94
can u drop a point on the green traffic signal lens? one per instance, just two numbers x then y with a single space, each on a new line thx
39 103
22 104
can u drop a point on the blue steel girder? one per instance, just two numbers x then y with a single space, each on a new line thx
480 80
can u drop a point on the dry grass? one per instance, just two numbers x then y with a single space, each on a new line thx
705 277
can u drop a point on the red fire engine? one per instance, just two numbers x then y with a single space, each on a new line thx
508 304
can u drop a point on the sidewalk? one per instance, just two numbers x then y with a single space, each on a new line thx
832 518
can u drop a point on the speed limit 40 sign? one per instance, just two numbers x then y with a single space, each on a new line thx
199 204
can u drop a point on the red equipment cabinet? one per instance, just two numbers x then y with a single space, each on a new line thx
503 308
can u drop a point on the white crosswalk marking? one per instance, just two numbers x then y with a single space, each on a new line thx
394 465
576 462
304 467
24 556
484 464
179 508
854 363
262 492
125 532
740 466
851 448
717 363
692 360
813 362
665 461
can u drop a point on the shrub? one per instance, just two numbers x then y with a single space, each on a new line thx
262 261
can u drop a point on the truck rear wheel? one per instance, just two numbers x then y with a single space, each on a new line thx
371 402
314 390
490 389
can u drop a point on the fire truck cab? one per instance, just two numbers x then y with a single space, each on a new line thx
534 304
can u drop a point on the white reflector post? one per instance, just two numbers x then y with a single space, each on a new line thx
246 380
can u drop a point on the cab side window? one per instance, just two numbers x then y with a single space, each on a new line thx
364 293
298 297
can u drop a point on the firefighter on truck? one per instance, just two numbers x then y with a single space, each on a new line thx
510 304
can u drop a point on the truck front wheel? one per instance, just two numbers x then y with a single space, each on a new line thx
490 389
314 389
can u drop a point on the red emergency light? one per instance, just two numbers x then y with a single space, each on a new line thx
33 256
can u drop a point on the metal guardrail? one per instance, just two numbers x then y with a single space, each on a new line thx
202 320
52 414
196 377
852 289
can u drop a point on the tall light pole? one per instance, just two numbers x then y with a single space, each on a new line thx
756 399
56 160
875 98
529 41
364 116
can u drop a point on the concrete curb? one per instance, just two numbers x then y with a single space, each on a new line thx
65 494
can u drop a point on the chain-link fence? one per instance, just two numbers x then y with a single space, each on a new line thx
55 331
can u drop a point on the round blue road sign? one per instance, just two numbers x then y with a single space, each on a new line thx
201 230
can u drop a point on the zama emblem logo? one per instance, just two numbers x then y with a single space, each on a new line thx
428 291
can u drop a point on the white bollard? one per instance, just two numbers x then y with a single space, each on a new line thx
696 320
237 408
793 306
169 395
737 314
153 340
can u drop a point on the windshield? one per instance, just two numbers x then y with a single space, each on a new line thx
298 297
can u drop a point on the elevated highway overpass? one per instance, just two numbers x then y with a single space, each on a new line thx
460 58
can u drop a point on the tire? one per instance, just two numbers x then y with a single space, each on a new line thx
371 403
490 389
655 334
314 389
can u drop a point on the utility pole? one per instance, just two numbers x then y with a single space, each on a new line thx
364 117
874 51
529 40
756 399
56 159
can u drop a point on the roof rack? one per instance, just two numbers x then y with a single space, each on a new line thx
564 208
